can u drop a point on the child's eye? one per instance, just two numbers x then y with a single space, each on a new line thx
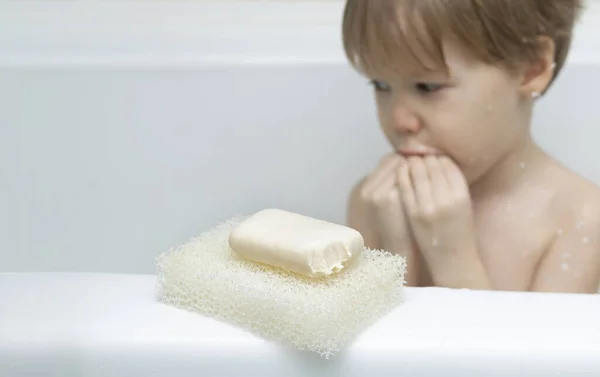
381 86
427 88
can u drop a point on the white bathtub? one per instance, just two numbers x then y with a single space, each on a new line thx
114 147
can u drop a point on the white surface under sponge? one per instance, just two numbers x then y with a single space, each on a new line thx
321 315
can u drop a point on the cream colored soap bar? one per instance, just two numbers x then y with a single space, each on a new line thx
295 242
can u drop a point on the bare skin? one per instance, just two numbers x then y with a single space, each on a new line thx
530 239
466 195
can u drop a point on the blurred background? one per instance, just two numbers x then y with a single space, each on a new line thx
127 127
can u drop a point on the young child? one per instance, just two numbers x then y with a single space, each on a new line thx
466 195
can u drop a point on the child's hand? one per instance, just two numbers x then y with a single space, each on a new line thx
436 196
381 195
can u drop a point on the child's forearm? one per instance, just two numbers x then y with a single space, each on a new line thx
466 271
413 263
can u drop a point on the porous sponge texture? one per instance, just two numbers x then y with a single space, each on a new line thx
321 315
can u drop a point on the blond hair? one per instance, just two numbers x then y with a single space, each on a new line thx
377 33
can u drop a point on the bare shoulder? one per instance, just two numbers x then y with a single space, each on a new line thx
577 197
358 216
572 261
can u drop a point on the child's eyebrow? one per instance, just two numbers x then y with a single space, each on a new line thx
430 72
408 71
425 73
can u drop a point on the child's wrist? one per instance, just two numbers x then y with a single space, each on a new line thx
397 245
464 270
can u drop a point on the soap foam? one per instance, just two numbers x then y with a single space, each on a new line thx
321 315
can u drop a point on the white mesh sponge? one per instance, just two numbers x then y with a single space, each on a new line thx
321 315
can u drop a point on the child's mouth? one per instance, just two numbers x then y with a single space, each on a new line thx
416 153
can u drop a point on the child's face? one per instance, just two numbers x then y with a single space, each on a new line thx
474 116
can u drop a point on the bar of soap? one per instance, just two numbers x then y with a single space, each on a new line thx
296 243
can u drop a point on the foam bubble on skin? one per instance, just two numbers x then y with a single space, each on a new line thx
316 314
559 232
585 240
579 224
525 253
564 266
523 165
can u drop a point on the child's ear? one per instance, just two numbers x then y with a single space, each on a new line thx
537 75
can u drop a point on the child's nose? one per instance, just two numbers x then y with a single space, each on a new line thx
405 120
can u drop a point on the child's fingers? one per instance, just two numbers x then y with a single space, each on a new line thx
406 189
422 186
439 183
454 175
